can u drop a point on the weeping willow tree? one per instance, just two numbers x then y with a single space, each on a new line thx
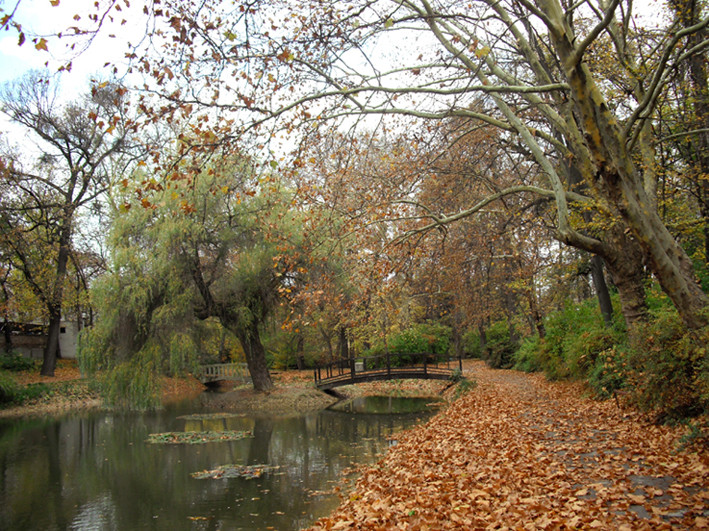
212 245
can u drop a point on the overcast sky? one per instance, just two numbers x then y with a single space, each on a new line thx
39 17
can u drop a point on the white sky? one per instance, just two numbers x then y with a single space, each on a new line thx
39 17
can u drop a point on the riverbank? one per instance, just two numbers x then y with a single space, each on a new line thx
294 393
68 391
518 452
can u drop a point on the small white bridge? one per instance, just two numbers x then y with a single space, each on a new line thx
220 372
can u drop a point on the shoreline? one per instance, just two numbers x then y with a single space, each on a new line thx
294 393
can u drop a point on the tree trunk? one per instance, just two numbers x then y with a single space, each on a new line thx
618 181
54 304
599 284
250 340
535 313
51 348
300 352
483 338
343 348
7 331
328 343
689 12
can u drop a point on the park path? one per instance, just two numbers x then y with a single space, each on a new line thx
519 452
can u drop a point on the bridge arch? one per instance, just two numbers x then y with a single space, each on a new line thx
387 367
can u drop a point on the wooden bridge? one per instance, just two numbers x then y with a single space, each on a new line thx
221 372
387 367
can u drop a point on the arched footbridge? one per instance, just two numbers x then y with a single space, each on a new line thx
387 367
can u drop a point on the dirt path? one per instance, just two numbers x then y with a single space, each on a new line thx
519 452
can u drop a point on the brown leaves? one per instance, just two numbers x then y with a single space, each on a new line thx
519 452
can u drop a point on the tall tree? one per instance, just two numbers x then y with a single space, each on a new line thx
205 243
45 187
527 61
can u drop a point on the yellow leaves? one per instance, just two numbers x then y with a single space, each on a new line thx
388 23
482 52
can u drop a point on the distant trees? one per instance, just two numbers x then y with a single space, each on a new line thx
65 164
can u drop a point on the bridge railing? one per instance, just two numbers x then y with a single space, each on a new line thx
224 371
388 365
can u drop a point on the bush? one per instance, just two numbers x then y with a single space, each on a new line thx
668 369
15 362
8 387
471 345
575 337
500 347
609 373
527 357
422 338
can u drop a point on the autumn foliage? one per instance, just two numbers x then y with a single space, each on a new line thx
522 453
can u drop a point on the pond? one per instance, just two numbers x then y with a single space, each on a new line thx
96 471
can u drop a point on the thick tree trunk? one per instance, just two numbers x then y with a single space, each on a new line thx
599 284
617 180
250 340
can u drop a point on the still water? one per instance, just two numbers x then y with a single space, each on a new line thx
95 471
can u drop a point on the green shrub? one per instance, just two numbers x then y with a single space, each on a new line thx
609 373
500 347
527 358
471 345
11 392
422 338
463 387
15 362
575 336
582 347
32 392
669 370
8 387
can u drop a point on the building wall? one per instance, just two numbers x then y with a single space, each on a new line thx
32 346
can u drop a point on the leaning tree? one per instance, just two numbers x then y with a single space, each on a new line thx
269 67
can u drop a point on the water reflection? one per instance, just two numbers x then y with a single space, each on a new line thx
96 471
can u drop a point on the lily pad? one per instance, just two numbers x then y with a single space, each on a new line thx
233 471
197 437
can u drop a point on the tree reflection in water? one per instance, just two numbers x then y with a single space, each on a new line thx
96 471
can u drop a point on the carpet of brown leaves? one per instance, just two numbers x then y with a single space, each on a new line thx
518 452
66 370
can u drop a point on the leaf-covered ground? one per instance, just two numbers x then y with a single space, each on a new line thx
518 452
